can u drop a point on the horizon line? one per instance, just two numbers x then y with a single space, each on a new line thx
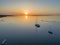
29 15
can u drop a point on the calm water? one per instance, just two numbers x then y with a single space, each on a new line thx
21 30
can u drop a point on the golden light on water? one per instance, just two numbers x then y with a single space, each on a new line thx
26 12
26 17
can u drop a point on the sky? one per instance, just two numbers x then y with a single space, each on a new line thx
30 6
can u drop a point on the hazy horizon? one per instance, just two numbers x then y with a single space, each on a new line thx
32 7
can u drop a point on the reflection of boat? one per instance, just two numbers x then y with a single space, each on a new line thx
37 25
4 42
50 32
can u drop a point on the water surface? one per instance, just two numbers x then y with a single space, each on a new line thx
21 30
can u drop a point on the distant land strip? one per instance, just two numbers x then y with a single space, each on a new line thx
25 15
1 16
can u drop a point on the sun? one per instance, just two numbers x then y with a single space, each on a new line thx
26 12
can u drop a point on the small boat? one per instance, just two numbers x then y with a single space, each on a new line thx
37 25
50 32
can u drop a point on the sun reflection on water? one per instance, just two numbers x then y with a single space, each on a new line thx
26 17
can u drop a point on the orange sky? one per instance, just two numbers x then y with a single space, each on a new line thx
34 7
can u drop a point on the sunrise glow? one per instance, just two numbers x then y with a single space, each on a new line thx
26 12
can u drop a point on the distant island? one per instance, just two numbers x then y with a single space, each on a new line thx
1 16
